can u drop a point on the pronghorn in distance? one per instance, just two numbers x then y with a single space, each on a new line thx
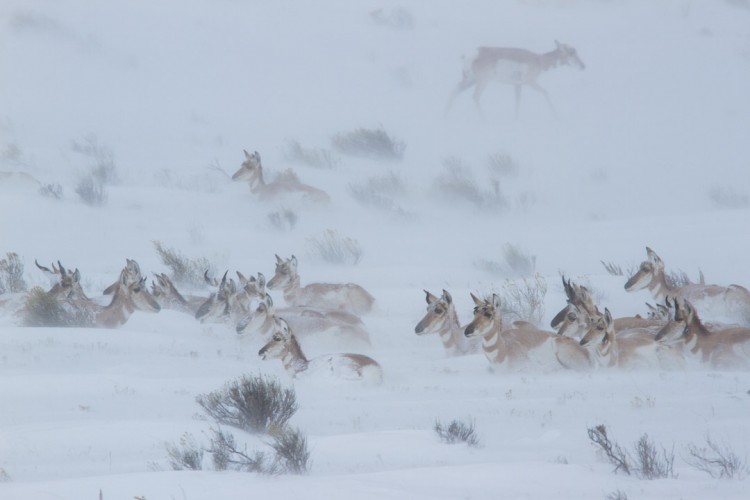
629 349
231 302
283 345
345 327
441 318
284 184
514 66
725 348
523 346
345 296
729 304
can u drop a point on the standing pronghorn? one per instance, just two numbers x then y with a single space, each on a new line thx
346 296
517 67
524 346
730 304
441 317
283 345
725 348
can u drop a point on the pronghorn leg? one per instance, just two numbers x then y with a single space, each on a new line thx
517 89
539 89
478 91
462 85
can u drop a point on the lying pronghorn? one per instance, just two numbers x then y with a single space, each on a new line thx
724 348
517 67
578 315
342 325
628 349
130 274
66 284
285 184
231 302
730 304
346 296
442 318
169 297
127 298
524 345
283 345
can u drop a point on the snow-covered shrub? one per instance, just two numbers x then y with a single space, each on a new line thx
379 191
369 143
185 271
313 157
717 460
11 274
331 247
256 404
457 431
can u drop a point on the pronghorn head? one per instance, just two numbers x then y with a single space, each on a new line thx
650 271
661 312
286 272
254 287
600 331
66 284
438 312
141 297
131 273
568 56
253 322
487 313
217 305
164 290
677 326
279 343
250 170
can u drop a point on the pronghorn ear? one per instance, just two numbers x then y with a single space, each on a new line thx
496 301
269 300
76 275
241 277
430 298
655 259
293 261
261 281
607 316
284 326
111 288
447 296
477 301
247 155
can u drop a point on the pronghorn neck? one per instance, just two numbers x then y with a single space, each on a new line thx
291 288
117 312
451 333
294 359
606 351
696 336
493 344
549 60
659 287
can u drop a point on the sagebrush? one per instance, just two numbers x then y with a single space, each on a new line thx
458 183
41 309
646 461
256 404
379 191
369 143
457 431
719 461
11 274
314 157
334 248
184 271
523 299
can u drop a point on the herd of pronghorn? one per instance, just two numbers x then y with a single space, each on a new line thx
673 335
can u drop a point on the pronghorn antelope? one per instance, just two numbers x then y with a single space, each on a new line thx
284 184
633 348
524 345
128 297
131 274
724 348
217 306
66 284
579 314
730 304
441 317
346 296
343 326
169 297
283 345
517 67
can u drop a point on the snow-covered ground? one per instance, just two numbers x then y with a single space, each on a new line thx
650 149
